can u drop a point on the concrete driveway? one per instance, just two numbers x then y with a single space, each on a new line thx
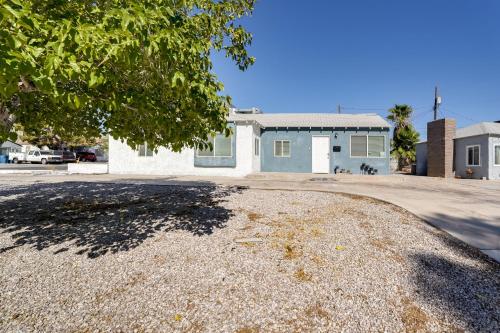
467 209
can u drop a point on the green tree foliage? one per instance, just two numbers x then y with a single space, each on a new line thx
45 136
139 70
405 137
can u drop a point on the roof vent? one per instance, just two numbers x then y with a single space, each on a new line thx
246 111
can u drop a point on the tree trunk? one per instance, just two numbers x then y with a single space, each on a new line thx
6 119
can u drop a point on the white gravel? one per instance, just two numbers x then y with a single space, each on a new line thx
116 257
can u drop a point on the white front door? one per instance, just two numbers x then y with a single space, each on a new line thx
321 154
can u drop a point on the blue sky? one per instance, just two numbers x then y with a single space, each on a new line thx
368 55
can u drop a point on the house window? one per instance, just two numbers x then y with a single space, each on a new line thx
282 148
473 155
367 146
221 147
497 155
257 147
144 151
376 146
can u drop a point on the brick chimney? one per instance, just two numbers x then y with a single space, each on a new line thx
440 135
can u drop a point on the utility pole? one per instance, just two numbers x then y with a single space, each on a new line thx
338 109
437 102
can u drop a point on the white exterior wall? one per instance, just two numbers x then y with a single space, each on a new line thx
91 168
494 170
124 160
256 159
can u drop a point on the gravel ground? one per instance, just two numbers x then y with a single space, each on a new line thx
116 257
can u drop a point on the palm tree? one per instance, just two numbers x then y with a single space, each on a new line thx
405 137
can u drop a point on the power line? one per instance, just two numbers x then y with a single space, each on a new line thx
461 115
422 113
375 108
364 108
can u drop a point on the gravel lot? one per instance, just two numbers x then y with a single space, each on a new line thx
116 257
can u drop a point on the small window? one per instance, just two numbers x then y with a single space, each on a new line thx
376 146
257 147
497 155
367 146
144 151
473 155
282 148
358 146
222 147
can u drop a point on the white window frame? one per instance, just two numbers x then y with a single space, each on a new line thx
289 150
256 147
467 156
494 152
213 150
145 151
367 146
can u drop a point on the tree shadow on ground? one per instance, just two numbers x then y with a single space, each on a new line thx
100 218
467 287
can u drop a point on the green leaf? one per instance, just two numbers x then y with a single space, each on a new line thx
178 78
76 101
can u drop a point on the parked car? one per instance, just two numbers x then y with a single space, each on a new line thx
84 156
36 156
68 156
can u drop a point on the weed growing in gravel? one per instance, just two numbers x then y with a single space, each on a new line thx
252 216
248 330
301 275
317 232
316 311
413 317
318 260
247 244
386 245
291 252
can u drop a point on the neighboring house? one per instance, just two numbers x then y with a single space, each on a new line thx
9 146
478 147
476 152
307 143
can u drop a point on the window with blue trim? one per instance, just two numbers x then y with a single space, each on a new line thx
221 147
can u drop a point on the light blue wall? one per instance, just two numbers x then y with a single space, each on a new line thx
219 162
301 145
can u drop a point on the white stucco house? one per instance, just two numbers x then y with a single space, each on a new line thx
234 162
306 143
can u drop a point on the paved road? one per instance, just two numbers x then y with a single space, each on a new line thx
467 209
23 166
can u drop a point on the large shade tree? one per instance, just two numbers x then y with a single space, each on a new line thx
139 70
405 137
